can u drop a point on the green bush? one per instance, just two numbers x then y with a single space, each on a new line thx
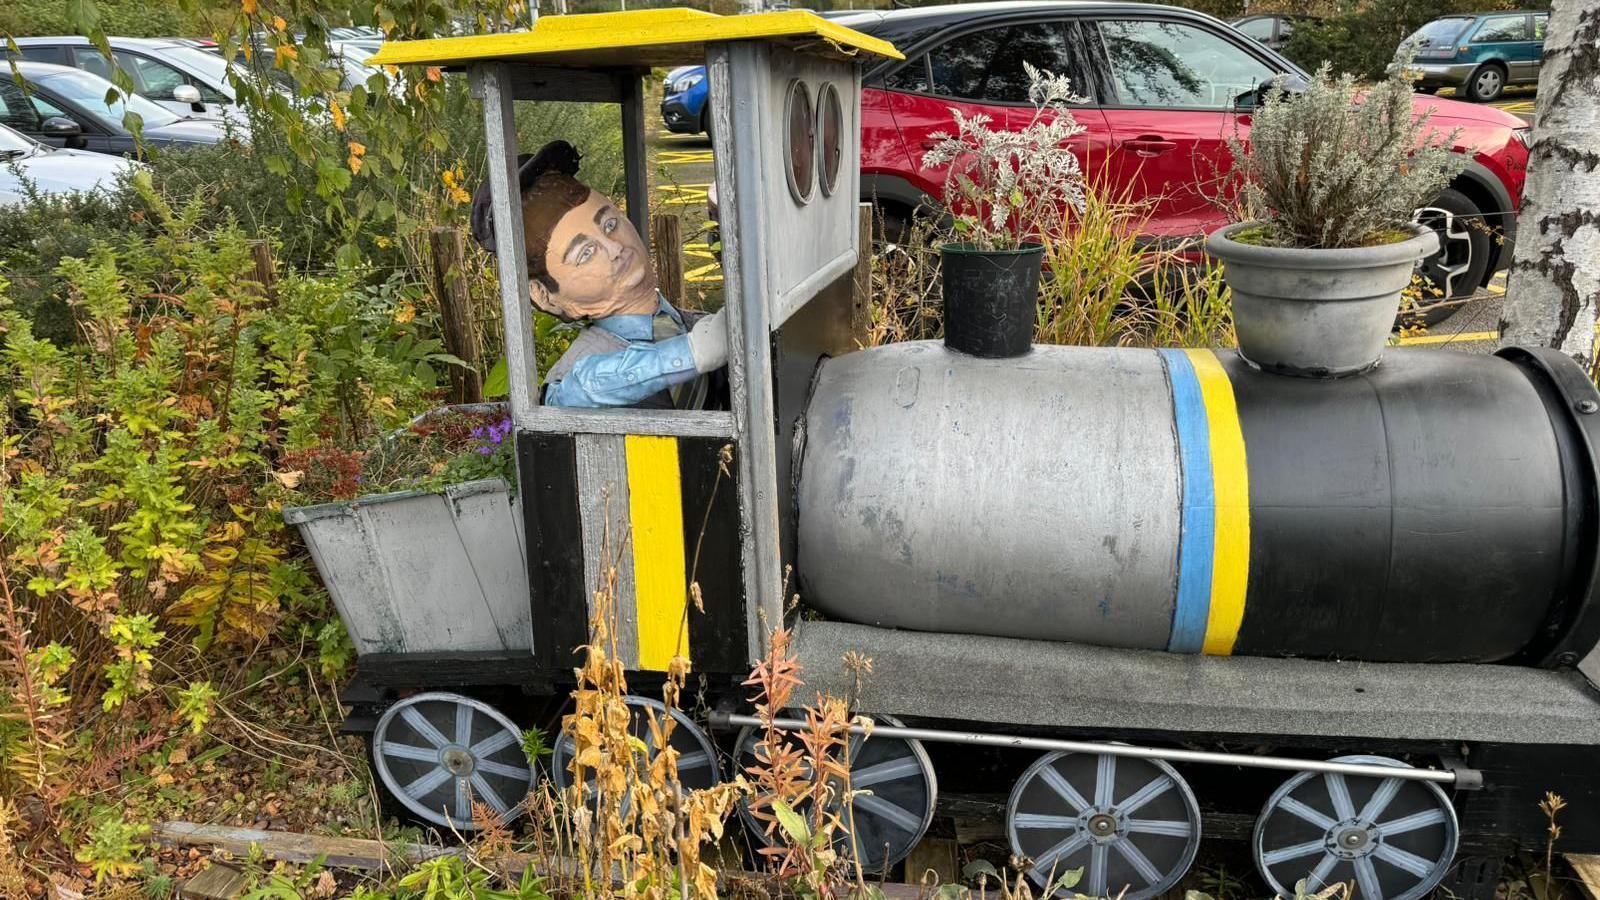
35 236
125 18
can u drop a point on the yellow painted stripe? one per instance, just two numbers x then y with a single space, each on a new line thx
1230 566
1461 337
660 583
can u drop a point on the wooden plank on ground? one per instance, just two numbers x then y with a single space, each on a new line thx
218 882
1587 865
345 853
358 853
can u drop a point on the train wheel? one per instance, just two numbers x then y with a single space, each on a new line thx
888 821
697 758
436 752
1393 838
1132 825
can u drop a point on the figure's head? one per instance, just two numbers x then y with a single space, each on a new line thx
585 258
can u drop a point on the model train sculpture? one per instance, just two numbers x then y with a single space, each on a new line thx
1170 573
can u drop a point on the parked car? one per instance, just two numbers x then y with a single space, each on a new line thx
24 163
1273 31
66 107
1166 87
177 73
1480 54
683 101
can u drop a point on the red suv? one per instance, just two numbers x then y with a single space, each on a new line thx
1166 88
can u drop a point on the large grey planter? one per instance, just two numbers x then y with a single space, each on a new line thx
1317 313
418 572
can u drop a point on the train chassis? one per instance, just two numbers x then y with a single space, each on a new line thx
1123 812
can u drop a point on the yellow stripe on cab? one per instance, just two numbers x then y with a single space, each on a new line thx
655 509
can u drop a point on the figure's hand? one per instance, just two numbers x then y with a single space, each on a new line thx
708 342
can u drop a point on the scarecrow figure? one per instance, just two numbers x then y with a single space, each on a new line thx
587 264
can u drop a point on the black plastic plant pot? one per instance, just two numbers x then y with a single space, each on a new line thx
991 299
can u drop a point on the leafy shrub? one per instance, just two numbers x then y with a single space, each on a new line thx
36 235
1336 166
138 515
1003 187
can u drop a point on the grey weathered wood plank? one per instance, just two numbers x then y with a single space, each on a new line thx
603 504
669 423
216 882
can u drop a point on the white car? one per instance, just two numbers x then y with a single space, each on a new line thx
172 72
24 161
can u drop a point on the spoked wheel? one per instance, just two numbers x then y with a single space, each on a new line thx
1393 838
697 759
886 823
1132 824
437 752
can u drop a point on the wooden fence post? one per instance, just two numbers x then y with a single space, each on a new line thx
861 289
266 272
457 316
666 236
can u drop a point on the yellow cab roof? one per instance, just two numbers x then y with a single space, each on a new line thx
637 39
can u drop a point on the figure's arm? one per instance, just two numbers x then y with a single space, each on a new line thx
628 376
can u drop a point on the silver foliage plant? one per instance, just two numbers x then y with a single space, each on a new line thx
1006 188
1339 165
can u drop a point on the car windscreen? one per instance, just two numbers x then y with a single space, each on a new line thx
12 143
89 91
210 66
1440 32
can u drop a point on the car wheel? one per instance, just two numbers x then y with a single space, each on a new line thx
1456 271
1486 83
705 120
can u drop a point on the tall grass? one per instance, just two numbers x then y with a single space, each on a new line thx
1103 284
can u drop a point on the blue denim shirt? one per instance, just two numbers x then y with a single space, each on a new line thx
627 376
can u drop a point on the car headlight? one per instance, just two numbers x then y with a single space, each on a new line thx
687 82
1524 135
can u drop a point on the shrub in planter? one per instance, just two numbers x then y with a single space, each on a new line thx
1329 182
1003 189
419 533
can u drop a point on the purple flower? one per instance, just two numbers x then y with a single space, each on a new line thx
485 451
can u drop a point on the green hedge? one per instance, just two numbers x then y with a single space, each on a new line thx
125 18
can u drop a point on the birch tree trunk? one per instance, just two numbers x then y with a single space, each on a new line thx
1554 283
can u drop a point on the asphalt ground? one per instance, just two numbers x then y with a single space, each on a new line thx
682 168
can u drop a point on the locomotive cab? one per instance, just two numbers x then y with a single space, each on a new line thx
674 497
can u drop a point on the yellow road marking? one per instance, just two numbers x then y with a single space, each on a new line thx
683 194
683 157
1463 337
707 274
660 583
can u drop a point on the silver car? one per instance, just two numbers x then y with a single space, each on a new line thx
173 72
25 163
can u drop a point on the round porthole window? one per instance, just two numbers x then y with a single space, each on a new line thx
802 142
830 136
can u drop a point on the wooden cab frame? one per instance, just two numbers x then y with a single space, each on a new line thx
665 499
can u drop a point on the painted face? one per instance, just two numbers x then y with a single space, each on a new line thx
599 262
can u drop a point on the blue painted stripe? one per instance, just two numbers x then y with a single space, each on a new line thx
1198 536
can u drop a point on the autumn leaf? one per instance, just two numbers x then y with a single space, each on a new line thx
290 480
434 74
338 114
249 7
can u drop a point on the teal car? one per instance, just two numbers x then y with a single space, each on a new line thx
1480 54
